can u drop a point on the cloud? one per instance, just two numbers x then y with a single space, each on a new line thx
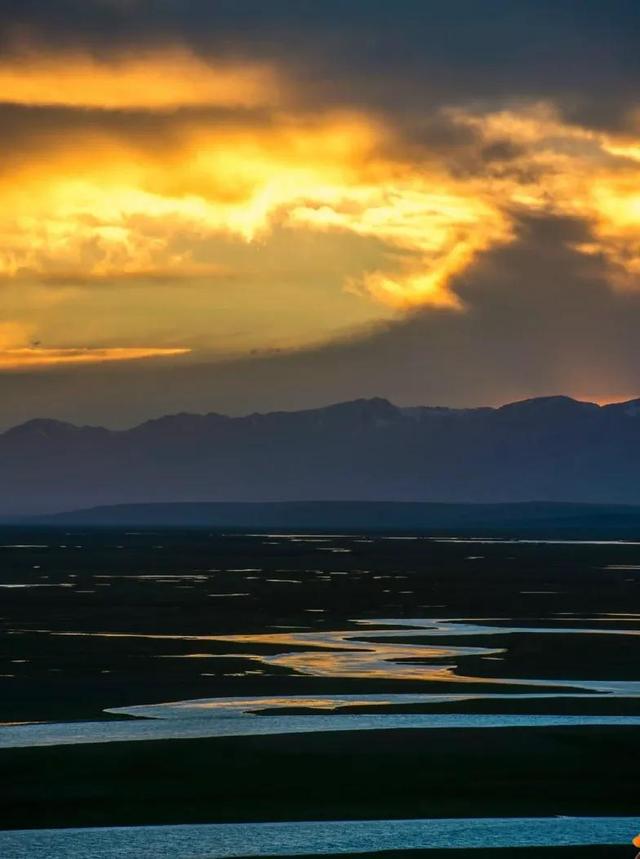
540 319
160 79
234 177
37 357
19 351
408 55
107 200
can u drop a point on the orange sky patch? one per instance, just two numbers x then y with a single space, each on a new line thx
28 358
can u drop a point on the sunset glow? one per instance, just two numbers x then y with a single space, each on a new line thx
167 196
12 359
319 427
108 201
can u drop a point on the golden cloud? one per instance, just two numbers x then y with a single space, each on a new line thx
153 80
102 205
569 171
104 202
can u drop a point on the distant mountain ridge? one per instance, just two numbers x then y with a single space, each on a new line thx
550 449
528 520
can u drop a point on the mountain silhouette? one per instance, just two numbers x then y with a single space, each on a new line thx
552 449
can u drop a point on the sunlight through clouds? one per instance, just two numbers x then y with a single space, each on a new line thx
148 160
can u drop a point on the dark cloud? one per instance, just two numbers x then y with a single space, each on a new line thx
406 54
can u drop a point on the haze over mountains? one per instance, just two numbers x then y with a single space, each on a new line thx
548 449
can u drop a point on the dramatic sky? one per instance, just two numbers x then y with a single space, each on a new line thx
240 205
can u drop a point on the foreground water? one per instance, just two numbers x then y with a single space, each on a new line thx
219 841
380 649
75 733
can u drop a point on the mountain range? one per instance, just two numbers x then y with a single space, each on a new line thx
551 449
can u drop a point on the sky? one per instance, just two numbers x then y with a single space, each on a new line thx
249 205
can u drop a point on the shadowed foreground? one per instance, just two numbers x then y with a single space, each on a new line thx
396 774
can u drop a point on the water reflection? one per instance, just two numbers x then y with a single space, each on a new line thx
226 840
376 650
344 653
213 708
377 653
388 648
233 725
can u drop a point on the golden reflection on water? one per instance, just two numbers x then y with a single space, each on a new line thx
338 653
352 654
253 705
343 653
